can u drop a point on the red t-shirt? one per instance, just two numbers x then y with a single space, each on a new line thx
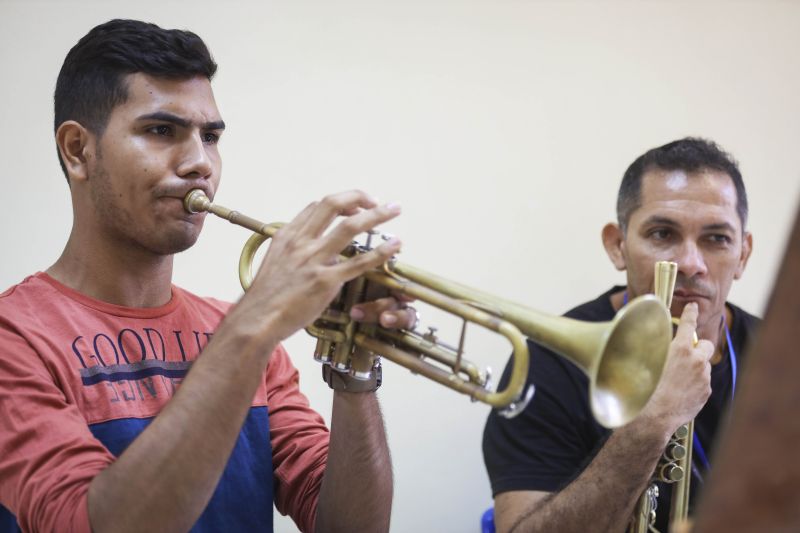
81 378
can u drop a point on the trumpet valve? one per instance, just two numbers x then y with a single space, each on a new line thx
682 432
362 363
671 473
322 351
675 452
340 366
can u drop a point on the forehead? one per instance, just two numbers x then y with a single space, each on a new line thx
704 195
190 98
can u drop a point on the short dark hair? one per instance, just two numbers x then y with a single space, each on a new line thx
688 154
92 79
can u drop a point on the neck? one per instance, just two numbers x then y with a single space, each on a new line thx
115 274
713 330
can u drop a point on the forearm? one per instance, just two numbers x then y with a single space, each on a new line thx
602 498
356 493
165 478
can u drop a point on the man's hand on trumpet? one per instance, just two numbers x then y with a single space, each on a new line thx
303 271
390 312
686 381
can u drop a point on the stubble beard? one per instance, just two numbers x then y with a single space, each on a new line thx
122 226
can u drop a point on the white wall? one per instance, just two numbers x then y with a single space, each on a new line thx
502 127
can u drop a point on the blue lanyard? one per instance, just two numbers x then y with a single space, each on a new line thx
698 448
699 452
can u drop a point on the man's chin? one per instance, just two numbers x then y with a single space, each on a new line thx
178 248
176 243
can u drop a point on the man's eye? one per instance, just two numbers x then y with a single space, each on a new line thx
719 238
162 129
660 234
210 138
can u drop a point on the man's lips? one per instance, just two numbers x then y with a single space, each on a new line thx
688 295
180 190
177 208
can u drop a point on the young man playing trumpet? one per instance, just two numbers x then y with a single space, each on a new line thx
96 435
553 468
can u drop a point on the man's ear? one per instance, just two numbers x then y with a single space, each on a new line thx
747 249
75 144
614 243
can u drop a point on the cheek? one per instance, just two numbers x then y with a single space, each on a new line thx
215 180
727 269
724 283
646 261
639 275
640 261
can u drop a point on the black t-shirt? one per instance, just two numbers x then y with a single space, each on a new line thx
548 445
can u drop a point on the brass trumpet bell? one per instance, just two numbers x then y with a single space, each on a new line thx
626 358
623 358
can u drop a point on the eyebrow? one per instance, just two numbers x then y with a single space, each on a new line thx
182 122
657 220
720 226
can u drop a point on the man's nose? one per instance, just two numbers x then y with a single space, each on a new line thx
195 161
690 260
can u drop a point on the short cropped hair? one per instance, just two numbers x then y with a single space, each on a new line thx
92 79
689 154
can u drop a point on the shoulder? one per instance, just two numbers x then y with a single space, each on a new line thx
742 318
597 310
743 327
25 301
743 324
32 286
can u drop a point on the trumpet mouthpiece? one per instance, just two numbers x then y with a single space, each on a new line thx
196 201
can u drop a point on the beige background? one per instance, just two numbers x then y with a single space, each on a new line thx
502 127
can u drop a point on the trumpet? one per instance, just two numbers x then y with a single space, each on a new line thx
674 466
623 358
